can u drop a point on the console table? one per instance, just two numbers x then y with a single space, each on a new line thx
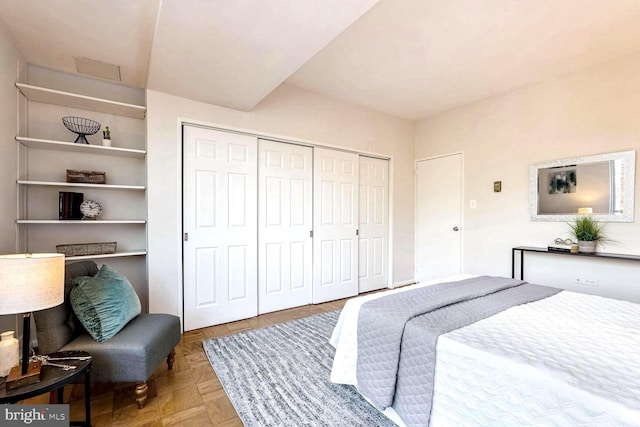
523 249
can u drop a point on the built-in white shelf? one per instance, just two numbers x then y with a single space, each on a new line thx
84 102
83 222
48 144
40 179
83 185
116 255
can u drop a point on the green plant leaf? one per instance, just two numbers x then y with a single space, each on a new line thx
587 229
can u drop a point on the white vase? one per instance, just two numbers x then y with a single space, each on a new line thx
9 353
106 142
587 247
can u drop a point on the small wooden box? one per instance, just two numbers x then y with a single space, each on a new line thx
86 177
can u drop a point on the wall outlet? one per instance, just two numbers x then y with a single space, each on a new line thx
473 204
583 281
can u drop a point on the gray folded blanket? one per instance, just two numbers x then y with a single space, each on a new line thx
412 321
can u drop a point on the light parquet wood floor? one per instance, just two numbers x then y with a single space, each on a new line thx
188 395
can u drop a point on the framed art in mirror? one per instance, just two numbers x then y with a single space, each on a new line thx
600 185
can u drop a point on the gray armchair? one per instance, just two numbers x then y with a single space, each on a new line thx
132 355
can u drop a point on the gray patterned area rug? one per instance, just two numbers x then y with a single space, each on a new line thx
279 376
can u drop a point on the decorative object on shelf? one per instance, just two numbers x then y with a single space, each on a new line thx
85 249
588 233
69 205
82 127
90 209
9 353
86 177
106 137
30 282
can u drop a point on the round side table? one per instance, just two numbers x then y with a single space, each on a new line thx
54 378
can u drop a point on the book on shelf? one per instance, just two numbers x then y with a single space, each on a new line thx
69 205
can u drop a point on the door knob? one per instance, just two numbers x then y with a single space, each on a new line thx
456 228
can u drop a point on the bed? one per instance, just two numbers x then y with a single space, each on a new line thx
565 359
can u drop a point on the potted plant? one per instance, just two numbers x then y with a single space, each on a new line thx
106 137
588 232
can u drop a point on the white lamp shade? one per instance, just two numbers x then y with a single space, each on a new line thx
31 282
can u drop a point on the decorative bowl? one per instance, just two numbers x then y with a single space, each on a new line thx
81 126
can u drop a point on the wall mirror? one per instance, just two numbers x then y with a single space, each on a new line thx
600 185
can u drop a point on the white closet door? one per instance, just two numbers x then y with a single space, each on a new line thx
285 179
220 219
335 246
373 225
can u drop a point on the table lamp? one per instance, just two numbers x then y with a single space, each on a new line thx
29 282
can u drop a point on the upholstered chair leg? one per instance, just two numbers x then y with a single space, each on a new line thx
171 358
141 394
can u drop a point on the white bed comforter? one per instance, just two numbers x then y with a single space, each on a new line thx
567 360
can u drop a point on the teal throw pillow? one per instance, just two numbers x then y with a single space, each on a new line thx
104 303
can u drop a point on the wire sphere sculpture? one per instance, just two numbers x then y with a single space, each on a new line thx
81 126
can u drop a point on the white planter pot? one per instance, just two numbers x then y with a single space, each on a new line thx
106 143
587 247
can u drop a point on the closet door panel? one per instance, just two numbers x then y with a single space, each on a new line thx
373 224
335 225
220 220
285 222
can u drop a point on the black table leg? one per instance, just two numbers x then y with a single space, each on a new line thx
87 401
87 398
513 263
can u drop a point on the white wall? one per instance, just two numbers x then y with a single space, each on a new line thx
9 60
589 112
288 112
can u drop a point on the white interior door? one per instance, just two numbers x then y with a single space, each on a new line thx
373 224
439 217
285 212
335 244
220 220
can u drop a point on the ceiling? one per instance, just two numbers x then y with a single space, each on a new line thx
408 58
